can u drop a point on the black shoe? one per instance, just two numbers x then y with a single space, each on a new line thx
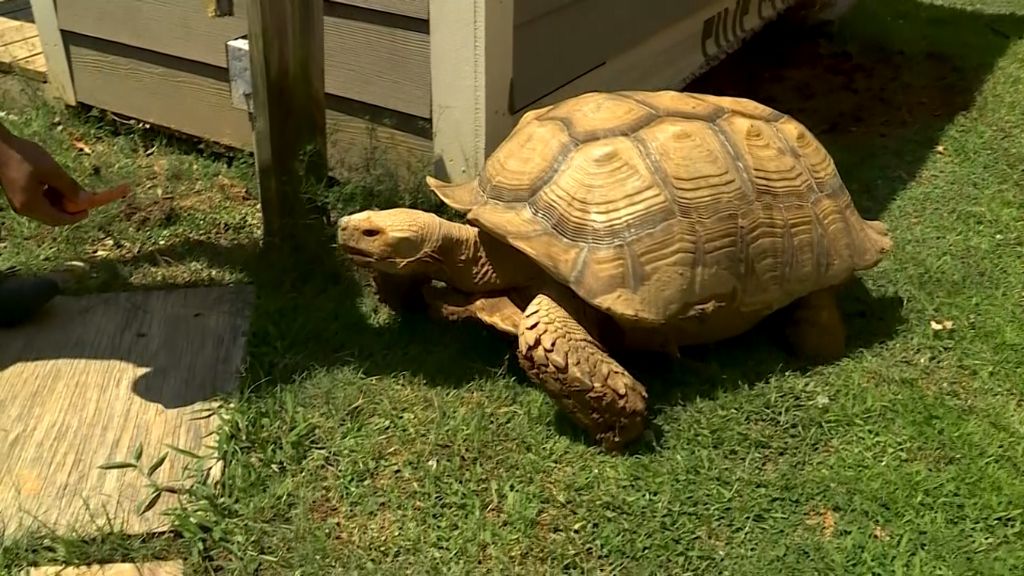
22 297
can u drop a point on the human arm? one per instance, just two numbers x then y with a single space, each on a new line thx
34 183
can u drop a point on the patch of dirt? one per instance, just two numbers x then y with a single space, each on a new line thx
824 519
880 533
352 530
222 190
324 510
147 214
714 538
166 209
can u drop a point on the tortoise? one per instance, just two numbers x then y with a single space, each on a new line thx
632 220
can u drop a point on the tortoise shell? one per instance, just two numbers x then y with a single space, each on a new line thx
651 204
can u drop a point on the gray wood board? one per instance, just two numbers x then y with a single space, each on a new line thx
94 376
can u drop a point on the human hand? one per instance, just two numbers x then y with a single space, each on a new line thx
36 185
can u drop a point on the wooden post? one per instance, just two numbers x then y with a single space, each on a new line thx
58 70
286 40
471 77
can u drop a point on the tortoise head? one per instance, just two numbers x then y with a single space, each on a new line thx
395 241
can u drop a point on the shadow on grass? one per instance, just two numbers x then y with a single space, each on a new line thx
746 360
300 325
317 320
303 319
878 87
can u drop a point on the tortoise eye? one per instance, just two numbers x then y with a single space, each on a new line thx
371 232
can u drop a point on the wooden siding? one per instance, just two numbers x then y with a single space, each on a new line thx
171 27
150 86
410 8
589 34
377 64
559 45
366 61
674 54
527 10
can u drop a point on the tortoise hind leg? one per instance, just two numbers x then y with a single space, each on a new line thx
816 329
579 375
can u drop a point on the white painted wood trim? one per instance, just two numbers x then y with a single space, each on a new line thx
58 70
471 78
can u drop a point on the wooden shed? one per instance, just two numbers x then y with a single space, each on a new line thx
434 81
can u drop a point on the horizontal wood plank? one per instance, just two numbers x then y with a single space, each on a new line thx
389 67
16 30
364 61
354 143
578 36
151 87
172 27
33 67
10 53
116 78
666 60
411 8
527 10
97 393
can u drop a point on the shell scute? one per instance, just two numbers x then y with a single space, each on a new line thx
604 195
600 115
669 103
700 172
743 106
766 157
525 161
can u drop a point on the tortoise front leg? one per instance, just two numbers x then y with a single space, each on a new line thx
578 374
496 311
402 294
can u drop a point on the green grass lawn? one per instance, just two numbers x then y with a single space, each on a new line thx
366 443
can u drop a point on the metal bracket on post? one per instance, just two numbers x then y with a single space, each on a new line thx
240 74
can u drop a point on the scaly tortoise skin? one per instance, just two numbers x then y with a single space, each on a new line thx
633 220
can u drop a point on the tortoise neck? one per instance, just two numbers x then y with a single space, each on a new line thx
475 261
